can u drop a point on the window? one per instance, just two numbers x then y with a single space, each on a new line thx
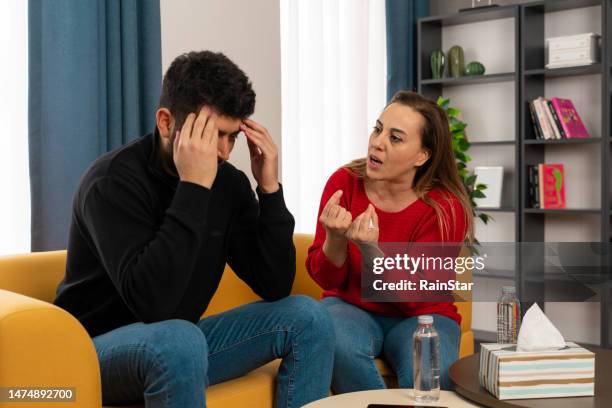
14 173
333 64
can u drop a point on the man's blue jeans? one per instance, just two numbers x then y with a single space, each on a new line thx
169 363
362 336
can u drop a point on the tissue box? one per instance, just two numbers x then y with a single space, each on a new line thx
510 374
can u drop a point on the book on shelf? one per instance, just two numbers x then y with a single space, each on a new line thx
536 124
547 131
549 117
551 178
546 185
555 119
569 118
533 191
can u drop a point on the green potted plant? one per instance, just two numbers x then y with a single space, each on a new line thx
460 147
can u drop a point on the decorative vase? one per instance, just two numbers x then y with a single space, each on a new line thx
437 64
474 68
456 63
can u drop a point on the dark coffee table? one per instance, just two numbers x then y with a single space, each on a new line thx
464 373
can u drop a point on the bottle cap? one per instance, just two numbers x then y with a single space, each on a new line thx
425 319
508 289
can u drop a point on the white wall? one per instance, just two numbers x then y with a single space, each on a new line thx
248 32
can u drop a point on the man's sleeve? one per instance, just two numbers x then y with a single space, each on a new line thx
261 248
149 263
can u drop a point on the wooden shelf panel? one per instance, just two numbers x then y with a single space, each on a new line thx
494 209
562 211
472 16
493 143
471 79
563 141
550 6
563 72
560 5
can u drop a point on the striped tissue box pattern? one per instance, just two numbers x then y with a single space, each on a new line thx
509 374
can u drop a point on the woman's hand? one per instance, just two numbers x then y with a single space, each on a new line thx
363 232
364 229
335 219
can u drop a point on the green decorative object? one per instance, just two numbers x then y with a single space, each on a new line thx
437 64
474 68
456 61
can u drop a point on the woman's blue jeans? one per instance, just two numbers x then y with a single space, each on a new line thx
169 363
362 336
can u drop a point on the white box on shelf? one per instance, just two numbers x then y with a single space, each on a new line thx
493 177
577 54
586 40
572 50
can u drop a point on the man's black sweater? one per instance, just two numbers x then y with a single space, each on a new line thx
144 246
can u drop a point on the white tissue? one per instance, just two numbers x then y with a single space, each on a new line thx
537 333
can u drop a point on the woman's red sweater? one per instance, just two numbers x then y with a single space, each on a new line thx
416 223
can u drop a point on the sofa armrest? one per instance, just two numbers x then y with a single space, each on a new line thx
42 345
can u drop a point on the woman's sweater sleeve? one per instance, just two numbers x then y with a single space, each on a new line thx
326 274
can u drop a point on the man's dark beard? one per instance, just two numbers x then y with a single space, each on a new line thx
166 159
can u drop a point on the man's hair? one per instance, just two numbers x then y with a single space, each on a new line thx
207 78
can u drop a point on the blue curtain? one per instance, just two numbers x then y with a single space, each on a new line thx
94 83
402 16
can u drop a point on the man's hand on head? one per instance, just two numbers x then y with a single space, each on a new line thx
195 148
264 155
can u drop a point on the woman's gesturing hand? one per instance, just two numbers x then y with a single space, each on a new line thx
335 219
364 229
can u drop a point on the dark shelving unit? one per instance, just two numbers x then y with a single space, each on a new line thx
533 79
529 76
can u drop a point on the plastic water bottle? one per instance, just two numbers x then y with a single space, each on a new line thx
426 361
508 316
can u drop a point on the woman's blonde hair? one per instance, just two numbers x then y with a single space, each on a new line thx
440 171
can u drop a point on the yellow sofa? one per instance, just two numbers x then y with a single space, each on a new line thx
41 345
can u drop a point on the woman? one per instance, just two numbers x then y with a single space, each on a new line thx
406 190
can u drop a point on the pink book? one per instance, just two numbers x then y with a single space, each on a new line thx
569 118
552 185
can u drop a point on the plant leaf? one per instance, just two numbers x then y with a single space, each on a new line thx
478 194
443 103
459 126
452 112
484 217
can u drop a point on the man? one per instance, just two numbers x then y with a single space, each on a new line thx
153 226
